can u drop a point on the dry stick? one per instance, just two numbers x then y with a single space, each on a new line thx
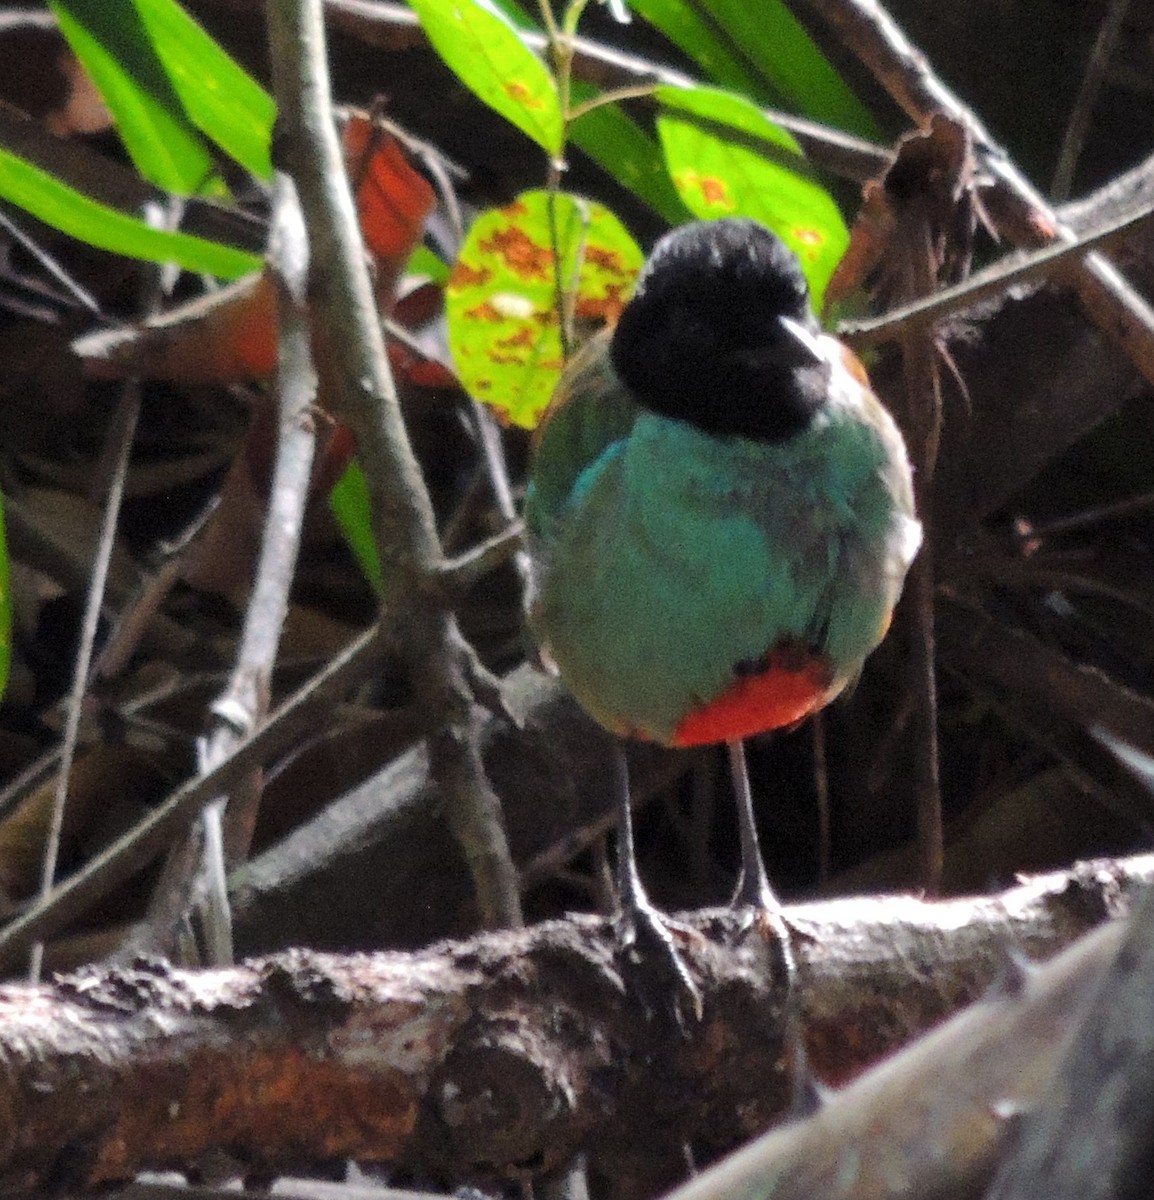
142 611
285 1188
932 1119
121 435
1089 1137
493 455
1092 80
115 458
1049 263
924 417
156 831
79 294
440 665
821 787
195 877
845 155
460 573
315 1055
868 30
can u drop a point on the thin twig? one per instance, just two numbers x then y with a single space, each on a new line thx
154 833
115 457
79 294
821 786
121 435
459 574
1049 263
195 877
140 612
286 1188
1092 516
1095 74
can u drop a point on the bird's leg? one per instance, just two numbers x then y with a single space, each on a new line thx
753 888
645 930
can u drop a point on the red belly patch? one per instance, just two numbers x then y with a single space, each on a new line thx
789 684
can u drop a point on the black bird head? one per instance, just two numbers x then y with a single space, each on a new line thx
720 333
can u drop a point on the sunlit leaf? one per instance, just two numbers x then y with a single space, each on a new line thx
726 159
689 27
223 101
349 502
504 332
781 52
760 50
111 42
68 210
165 79
482 48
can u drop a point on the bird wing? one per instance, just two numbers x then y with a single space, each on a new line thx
589 413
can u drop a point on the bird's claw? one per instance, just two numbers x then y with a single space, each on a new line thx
662 979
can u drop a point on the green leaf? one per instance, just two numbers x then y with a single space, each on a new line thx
164 79
349 502
501 298
423 261
221 98
618 144
786 57
762 51
689 27
5 608
482 48
726 159
110 41
64 208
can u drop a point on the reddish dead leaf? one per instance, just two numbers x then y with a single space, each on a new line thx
227 336
230 336
934 173
393 199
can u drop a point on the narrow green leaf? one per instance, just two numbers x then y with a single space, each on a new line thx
781 52
726 159
615 142
167 82
501 298
5 608
482 48
688 26
220 97
762 51
349 503
64 208
112 43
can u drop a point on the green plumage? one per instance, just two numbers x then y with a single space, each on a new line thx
666 557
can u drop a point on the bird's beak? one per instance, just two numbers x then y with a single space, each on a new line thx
806 344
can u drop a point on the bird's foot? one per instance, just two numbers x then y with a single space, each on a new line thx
654 965
756 901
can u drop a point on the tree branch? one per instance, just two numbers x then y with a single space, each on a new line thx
497 1058
349 337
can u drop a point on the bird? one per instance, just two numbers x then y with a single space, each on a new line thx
719 517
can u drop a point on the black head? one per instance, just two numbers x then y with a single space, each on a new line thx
703 339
